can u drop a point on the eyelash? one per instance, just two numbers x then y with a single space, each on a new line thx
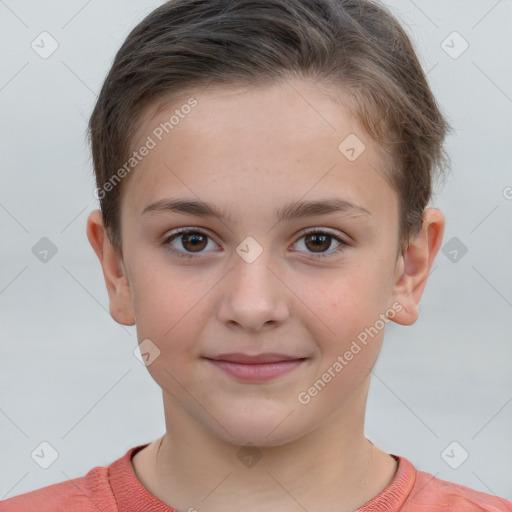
314 231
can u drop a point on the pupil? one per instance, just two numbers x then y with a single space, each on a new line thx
320 239
194 239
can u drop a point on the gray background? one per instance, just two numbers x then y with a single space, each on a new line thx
68 375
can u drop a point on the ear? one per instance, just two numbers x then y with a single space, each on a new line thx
118 287
413 268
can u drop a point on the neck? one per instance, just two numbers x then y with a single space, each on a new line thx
324 470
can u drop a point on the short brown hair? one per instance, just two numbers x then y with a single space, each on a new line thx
357 45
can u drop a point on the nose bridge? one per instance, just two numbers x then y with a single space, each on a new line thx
253 294
253 272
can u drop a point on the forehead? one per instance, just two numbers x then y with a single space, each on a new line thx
258 145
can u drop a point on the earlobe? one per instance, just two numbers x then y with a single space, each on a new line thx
116 280
414 267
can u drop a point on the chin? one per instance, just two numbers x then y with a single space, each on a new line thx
258 431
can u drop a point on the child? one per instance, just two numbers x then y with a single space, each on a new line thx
264 170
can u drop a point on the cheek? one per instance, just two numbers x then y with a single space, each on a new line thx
349 309
169 313
351 295
168 307
351 346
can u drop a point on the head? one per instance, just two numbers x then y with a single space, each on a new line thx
252 106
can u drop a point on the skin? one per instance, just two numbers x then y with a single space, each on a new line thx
251 151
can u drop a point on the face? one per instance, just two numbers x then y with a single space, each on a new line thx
268 277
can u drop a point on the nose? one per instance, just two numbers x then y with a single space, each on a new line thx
253 295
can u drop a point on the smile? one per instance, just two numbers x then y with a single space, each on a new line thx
256 371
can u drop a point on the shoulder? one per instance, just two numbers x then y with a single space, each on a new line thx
88 493
417 491
434 494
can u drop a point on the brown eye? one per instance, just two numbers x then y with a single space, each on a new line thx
193 241
319 241
185 243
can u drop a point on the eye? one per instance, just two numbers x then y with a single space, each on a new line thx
318 239
192 240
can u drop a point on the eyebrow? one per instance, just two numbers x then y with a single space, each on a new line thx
290 211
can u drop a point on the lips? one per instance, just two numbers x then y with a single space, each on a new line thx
256 368
255 359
